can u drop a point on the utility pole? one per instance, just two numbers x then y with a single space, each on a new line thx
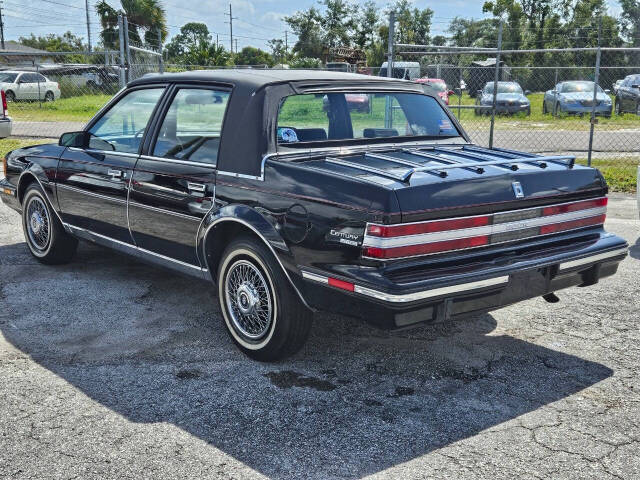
86 6
1 27
231 19
217 43
286 44
236 46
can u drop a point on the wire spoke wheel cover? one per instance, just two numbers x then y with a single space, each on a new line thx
249 300
38 223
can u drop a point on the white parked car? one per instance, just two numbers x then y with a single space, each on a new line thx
28 86
5 121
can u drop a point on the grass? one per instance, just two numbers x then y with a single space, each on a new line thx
73 109
620 173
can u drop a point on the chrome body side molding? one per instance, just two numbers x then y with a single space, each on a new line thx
147 255
412 297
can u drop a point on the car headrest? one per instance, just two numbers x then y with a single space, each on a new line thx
379 132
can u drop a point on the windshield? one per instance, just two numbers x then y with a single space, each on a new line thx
336 117
576 87
503 88
8 77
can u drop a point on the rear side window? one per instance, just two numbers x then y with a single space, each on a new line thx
192 126
122 127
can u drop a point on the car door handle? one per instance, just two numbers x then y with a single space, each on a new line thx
196 187
114 173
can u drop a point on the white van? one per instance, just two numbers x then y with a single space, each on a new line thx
405 70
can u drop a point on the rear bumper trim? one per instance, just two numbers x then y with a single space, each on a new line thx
593 258
422 295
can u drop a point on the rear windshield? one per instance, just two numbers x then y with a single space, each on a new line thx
351 116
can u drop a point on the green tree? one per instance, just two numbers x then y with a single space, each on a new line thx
630 21
192 37
252 56
413 24
145 17
366 21
278 50
337 23
306 25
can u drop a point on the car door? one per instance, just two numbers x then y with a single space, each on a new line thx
173 185
92 183
25 87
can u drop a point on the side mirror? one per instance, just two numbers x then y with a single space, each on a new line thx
527 92
451 92
75 139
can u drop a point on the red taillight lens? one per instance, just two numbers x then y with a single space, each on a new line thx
4 103
435 236
573 224
426 248
572 207
426 227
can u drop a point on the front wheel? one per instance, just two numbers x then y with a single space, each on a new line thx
544 107
262 313
44 233
618 108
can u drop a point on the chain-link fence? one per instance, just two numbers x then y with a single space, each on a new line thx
545 100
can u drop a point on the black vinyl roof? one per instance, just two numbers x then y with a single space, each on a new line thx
257 78
249 130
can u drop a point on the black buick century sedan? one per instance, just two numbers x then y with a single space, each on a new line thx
268 185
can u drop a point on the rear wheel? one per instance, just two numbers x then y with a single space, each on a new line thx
544 108
618 108
262 313
44 233
10 96
638 108
49 97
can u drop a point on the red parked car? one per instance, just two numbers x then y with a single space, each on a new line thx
439 86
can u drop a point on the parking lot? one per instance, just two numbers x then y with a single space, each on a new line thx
109 367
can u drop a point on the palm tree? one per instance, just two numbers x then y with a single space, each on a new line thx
145 17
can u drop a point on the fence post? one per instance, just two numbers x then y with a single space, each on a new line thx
596 78
125 23
121 38
388 112
160 57
38 78
495 86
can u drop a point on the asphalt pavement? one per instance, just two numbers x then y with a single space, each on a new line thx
110 368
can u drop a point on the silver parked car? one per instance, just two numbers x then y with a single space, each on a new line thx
576 98
510 99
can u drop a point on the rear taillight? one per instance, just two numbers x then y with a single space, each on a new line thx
4 103
437 236
3 171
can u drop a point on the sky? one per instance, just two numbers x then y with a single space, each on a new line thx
257 21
